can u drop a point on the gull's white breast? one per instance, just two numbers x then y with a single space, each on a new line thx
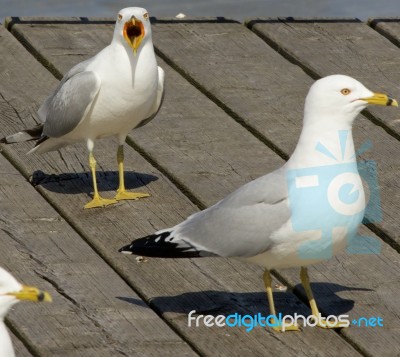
127 94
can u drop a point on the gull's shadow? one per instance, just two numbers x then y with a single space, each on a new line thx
226 303
326 298
73 183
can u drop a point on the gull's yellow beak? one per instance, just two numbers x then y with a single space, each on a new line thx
31 293
381 99
133 33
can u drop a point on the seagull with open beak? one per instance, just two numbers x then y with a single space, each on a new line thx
119 89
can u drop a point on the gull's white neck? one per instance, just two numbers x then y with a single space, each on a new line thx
323 142
6 348
145 52
146 48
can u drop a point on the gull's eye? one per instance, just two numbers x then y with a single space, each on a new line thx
345 91
146 16
119 17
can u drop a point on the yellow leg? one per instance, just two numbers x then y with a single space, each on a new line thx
122 194
268 288
321 321
97 201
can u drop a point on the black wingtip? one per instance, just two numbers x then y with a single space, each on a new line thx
157 246
125 249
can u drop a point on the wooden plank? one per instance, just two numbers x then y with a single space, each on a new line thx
19 348
41 249
338 46
173 288
245 77
388 27
329 296
81 46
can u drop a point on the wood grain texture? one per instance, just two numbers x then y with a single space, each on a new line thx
388 27
350 48
19 348
328 295
173 288
245 77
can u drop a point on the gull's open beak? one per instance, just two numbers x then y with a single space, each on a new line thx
134 33
31 293
381 99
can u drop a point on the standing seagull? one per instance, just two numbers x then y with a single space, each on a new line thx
11 292
266 221
119 89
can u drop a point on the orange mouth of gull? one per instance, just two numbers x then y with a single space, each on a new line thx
134 33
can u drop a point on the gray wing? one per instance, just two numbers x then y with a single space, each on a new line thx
241 224
160 98
62 111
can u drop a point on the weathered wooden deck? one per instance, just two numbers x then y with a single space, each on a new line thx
232 112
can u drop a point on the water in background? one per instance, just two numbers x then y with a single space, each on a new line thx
237 9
